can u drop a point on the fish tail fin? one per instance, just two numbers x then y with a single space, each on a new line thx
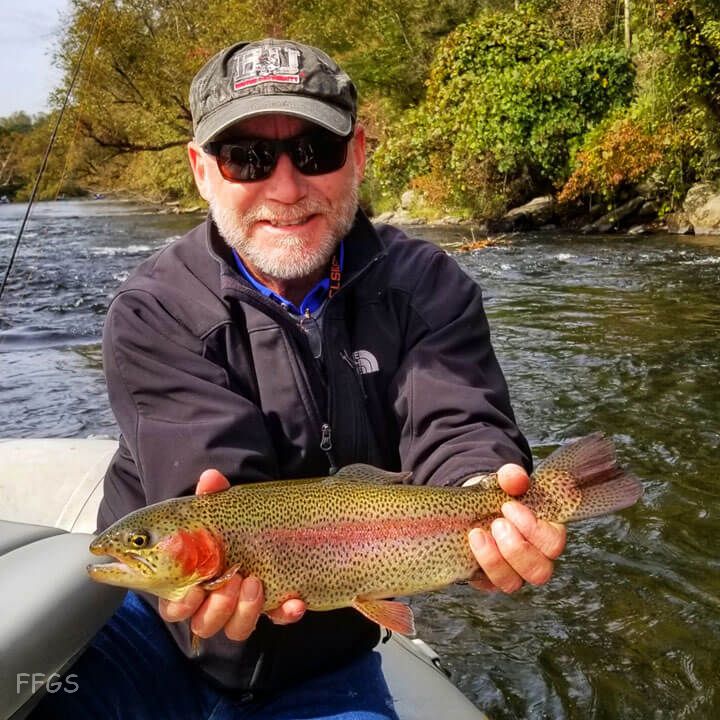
583 480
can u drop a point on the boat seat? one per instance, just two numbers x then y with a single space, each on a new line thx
51 609
16 534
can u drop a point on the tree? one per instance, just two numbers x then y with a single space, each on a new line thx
131 99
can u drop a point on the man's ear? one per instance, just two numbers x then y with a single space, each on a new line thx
198 163
358 150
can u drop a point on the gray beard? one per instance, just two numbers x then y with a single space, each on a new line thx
287 258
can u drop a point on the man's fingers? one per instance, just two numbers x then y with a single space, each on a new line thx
217 609
211 481
498 570
549 538
289 612
522 557
513 479
243 620
176 610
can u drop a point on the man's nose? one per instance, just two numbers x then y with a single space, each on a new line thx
286 184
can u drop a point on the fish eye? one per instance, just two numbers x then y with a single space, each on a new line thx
139 539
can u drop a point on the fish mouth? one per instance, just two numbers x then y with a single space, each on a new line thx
126 563
134 572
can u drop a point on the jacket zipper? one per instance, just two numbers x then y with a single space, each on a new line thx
292 328
326 446
325 428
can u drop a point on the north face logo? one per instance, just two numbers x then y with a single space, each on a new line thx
365 362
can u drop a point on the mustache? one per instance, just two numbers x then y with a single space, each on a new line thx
285 215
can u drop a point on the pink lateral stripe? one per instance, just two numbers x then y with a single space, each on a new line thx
368 531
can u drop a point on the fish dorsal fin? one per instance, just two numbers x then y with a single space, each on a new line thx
371 474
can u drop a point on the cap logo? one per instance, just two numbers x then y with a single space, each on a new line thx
266 63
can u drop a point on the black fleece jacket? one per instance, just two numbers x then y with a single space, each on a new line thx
203 371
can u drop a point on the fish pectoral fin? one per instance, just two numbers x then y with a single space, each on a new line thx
370 474
221 580
390 614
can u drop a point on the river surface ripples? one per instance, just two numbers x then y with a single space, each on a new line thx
615 334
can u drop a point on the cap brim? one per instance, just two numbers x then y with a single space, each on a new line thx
332 118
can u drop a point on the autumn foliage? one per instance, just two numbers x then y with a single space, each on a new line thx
621 154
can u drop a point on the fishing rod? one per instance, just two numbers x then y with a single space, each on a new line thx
48 149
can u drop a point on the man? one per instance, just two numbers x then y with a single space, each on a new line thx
284 338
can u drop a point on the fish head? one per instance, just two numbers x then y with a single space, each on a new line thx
166 562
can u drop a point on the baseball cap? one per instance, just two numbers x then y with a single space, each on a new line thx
271 76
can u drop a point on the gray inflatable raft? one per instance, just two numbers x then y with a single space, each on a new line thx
49 494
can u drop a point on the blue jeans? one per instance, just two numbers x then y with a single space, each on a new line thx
134 670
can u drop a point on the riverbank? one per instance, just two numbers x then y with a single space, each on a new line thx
639 213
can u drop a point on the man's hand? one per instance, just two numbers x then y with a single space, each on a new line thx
235 607
519 547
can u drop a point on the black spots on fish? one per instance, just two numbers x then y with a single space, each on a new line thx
361 473
332 541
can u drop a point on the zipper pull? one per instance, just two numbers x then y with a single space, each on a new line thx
326 446
326 438
308 324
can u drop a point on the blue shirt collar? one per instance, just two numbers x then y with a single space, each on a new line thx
311 302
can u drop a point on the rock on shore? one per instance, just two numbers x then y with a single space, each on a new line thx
702 207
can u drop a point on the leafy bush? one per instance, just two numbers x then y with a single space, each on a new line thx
692 28
505 103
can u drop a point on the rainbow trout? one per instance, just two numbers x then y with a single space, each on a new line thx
351 539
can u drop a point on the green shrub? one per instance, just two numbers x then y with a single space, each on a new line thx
506 102
669 135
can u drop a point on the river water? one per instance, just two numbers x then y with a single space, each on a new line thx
615 334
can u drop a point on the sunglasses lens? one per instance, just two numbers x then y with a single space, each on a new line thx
245 161
317 153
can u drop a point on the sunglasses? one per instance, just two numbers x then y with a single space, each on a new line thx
253 159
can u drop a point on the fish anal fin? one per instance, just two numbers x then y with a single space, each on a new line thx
358 472
391 614
221 580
